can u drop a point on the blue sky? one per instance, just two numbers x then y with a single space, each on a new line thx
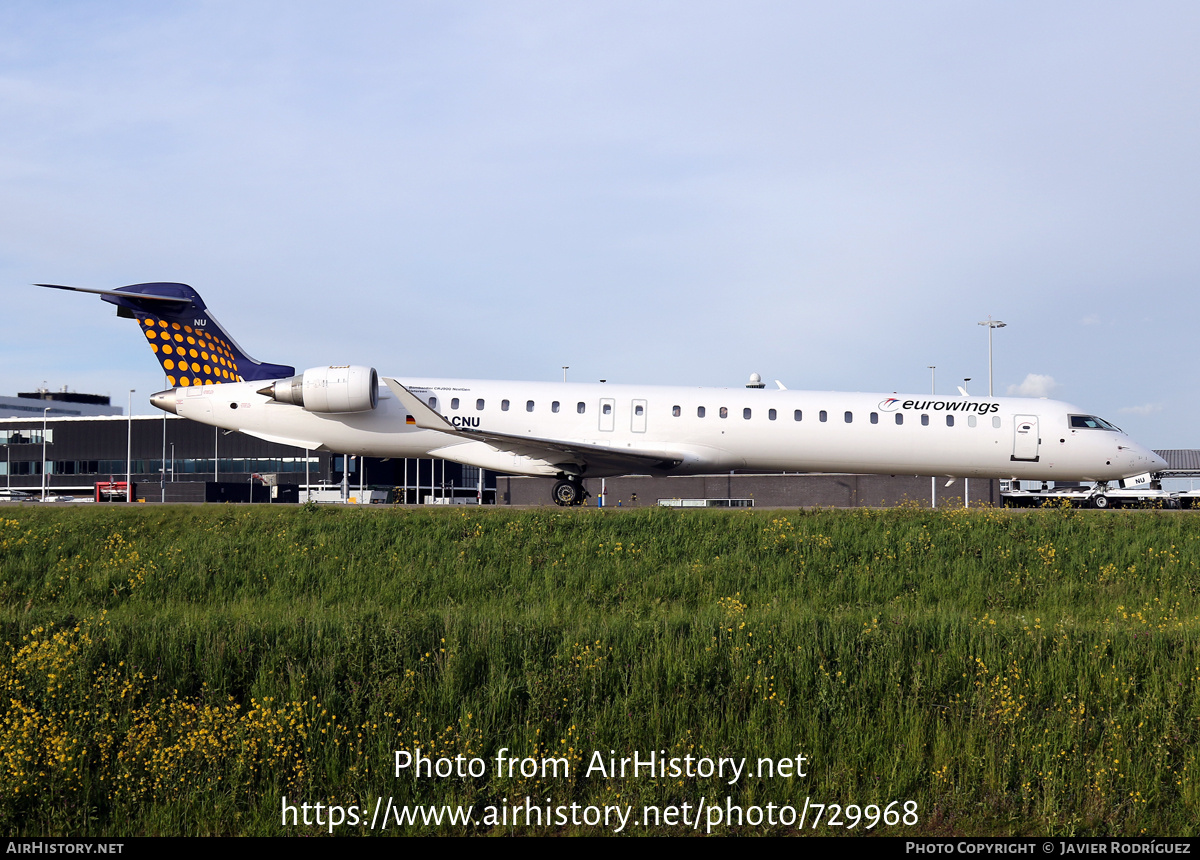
832 195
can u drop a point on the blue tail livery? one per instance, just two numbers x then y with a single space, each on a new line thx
188 342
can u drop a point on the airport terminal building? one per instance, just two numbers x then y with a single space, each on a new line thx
173 459
55 404
176 460
62 443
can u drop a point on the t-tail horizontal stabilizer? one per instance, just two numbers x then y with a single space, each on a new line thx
188 342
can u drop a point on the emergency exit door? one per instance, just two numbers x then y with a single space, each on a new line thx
638 416
608 414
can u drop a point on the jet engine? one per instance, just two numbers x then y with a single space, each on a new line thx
346 388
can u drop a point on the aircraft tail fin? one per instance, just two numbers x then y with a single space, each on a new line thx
188 342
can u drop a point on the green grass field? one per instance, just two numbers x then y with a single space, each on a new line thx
179 670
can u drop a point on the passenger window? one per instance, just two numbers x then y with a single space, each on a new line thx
824 416
849 417
724 412
554 406
699 411
797 414
528 405
433 403
949 420
503 405
581 407
607 410
676 411
454 403
771 414
924 420
637 410
996 421
971 421
874 417
746 413
479 403
899 418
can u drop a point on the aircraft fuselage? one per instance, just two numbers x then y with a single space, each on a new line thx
700 430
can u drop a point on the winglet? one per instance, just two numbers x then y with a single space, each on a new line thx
422 413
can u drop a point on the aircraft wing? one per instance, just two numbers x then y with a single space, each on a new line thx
552 451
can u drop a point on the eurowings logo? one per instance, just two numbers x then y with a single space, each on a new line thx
963 405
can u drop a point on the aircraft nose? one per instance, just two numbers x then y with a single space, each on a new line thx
1146 460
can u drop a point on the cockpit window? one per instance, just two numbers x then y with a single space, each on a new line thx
1079 422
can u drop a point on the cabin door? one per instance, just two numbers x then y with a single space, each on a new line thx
1025 438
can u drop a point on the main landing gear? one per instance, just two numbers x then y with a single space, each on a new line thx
568 492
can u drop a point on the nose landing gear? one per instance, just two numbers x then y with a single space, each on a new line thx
569 492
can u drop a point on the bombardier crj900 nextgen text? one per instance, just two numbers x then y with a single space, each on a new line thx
573 430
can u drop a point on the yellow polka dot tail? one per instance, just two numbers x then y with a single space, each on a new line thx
188 342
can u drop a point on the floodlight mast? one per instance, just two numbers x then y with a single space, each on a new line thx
932 479
129 448
991 324
45 414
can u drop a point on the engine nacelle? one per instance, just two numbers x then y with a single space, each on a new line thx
347 388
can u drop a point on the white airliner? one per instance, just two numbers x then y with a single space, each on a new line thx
577 430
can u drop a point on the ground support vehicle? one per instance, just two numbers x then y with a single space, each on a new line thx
1141 491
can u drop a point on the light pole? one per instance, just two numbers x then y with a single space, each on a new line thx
991 324
129 449
565 368
162 463
933 391
45 412
966 481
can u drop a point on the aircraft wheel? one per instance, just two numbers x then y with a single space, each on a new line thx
1100 501
567 493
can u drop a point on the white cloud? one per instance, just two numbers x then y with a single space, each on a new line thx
1144 409
1034 385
